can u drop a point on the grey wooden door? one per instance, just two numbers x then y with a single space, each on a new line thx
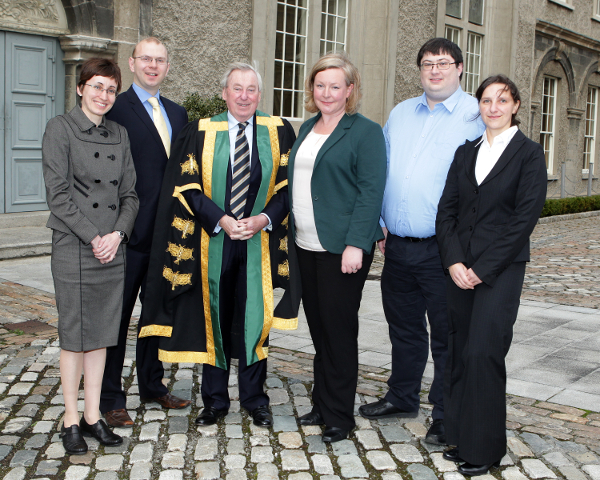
33 86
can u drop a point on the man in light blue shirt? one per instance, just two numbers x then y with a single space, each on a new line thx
421 135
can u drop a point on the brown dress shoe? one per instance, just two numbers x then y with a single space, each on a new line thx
118 418
170 401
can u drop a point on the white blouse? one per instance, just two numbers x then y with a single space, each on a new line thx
302 207
489 154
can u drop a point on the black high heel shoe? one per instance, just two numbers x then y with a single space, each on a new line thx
100 432
72 440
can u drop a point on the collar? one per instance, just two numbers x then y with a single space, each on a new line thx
84 123
143 95
450 103
233 123
503 139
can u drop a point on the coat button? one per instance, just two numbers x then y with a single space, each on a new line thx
96 154
97 181
476 191
112 157
104 134
115 182
473 210
95 205
316 197
112 207
470 229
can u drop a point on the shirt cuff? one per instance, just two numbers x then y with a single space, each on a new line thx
269 227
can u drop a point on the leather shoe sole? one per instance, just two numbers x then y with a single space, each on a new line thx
452 455
262 416
334 434
311 418
118 418
170 401
384 409
210 416
475 470
73 441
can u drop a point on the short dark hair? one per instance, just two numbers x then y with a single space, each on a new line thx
103 67
509 86
441 46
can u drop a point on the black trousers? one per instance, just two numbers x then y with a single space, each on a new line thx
232 305
149 368
331 300
413 283
481 330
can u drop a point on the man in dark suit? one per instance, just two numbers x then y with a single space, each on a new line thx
218 244
152 121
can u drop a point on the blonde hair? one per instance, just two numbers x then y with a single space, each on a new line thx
149 40
334 60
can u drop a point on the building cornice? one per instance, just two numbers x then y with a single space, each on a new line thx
566 35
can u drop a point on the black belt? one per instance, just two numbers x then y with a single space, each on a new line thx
414 239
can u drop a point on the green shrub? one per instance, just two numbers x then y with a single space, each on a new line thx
563 206
199 106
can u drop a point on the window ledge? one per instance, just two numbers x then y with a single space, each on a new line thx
553 178
596 18
562 4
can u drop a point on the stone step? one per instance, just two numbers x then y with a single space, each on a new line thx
24 235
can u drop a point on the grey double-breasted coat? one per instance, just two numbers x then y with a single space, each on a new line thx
90 181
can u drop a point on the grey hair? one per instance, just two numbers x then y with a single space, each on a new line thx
240 66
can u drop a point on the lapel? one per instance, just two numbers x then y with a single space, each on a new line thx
342 127
509 152
140 111
471 151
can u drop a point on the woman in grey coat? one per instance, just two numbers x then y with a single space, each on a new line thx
90 180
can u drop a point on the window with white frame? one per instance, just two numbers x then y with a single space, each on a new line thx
596 9
589 139
472 70
334 16
454 8
547 130
476 12
290 58
453 34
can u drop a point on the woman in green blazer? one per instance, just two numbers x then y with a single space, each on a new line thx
337 171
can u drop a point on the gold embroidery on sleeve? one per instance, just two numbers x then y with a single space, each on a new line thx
284 158
177 279
186 227
180 252
190 166
284 269
283 244
285 220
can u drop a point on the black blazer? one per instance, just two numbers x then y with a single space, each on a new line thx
149 157
487 226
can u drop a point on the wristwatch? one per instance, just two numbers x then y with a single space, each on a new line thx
121 234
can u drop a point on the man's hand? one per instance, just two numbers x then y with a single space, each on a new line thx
105 248
232 227
381 243
461 278
473 277
252 225
352 259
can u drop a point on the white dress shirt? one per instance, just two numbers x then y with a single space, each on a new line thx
489 154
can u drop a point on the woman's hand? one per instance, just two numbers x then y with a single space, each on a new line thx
105 247
460 275
352 259
473 277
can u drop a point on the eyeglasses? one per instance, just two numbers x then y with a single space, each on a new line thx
440 65
111 91
146 59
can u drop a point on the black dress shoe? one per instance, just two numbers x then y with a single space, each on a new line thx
311 418
475 470
262 416
436 433
100 432
210 416
72 440
334 434
452 455
384 409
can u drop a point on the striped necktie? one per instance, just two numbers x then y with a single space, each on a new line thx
160 124
240 180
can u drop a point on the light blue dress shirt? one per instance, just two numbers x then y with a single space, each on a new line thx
420 145
143 95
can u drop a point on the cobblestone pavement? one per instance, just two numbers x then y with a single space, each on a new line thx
545 440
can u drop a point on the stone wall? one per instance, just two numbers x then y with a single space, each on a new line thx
203 37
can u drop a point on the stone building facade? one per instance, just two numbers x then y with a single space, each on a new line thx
549 47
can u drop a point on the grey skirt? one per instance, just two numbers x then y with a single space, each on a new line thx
89 295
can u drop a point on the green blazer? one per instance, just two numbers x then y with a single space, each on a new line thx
347 183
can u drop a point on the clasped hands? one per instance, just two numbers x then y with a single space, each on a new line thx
463 278
245 228
105 248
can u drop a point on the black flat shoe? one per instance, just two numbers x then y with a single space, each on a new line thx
262 416
334 434
311 418
436 433
471 470
384 409
210 416
72 440
452 455
100 432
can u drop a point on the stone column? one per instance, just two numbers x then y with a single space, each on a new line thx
574 152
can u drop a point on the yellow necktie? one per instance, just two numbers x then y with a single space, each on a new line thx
160 124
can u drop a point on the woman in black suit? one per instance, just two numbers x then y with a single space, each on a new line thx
494 194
